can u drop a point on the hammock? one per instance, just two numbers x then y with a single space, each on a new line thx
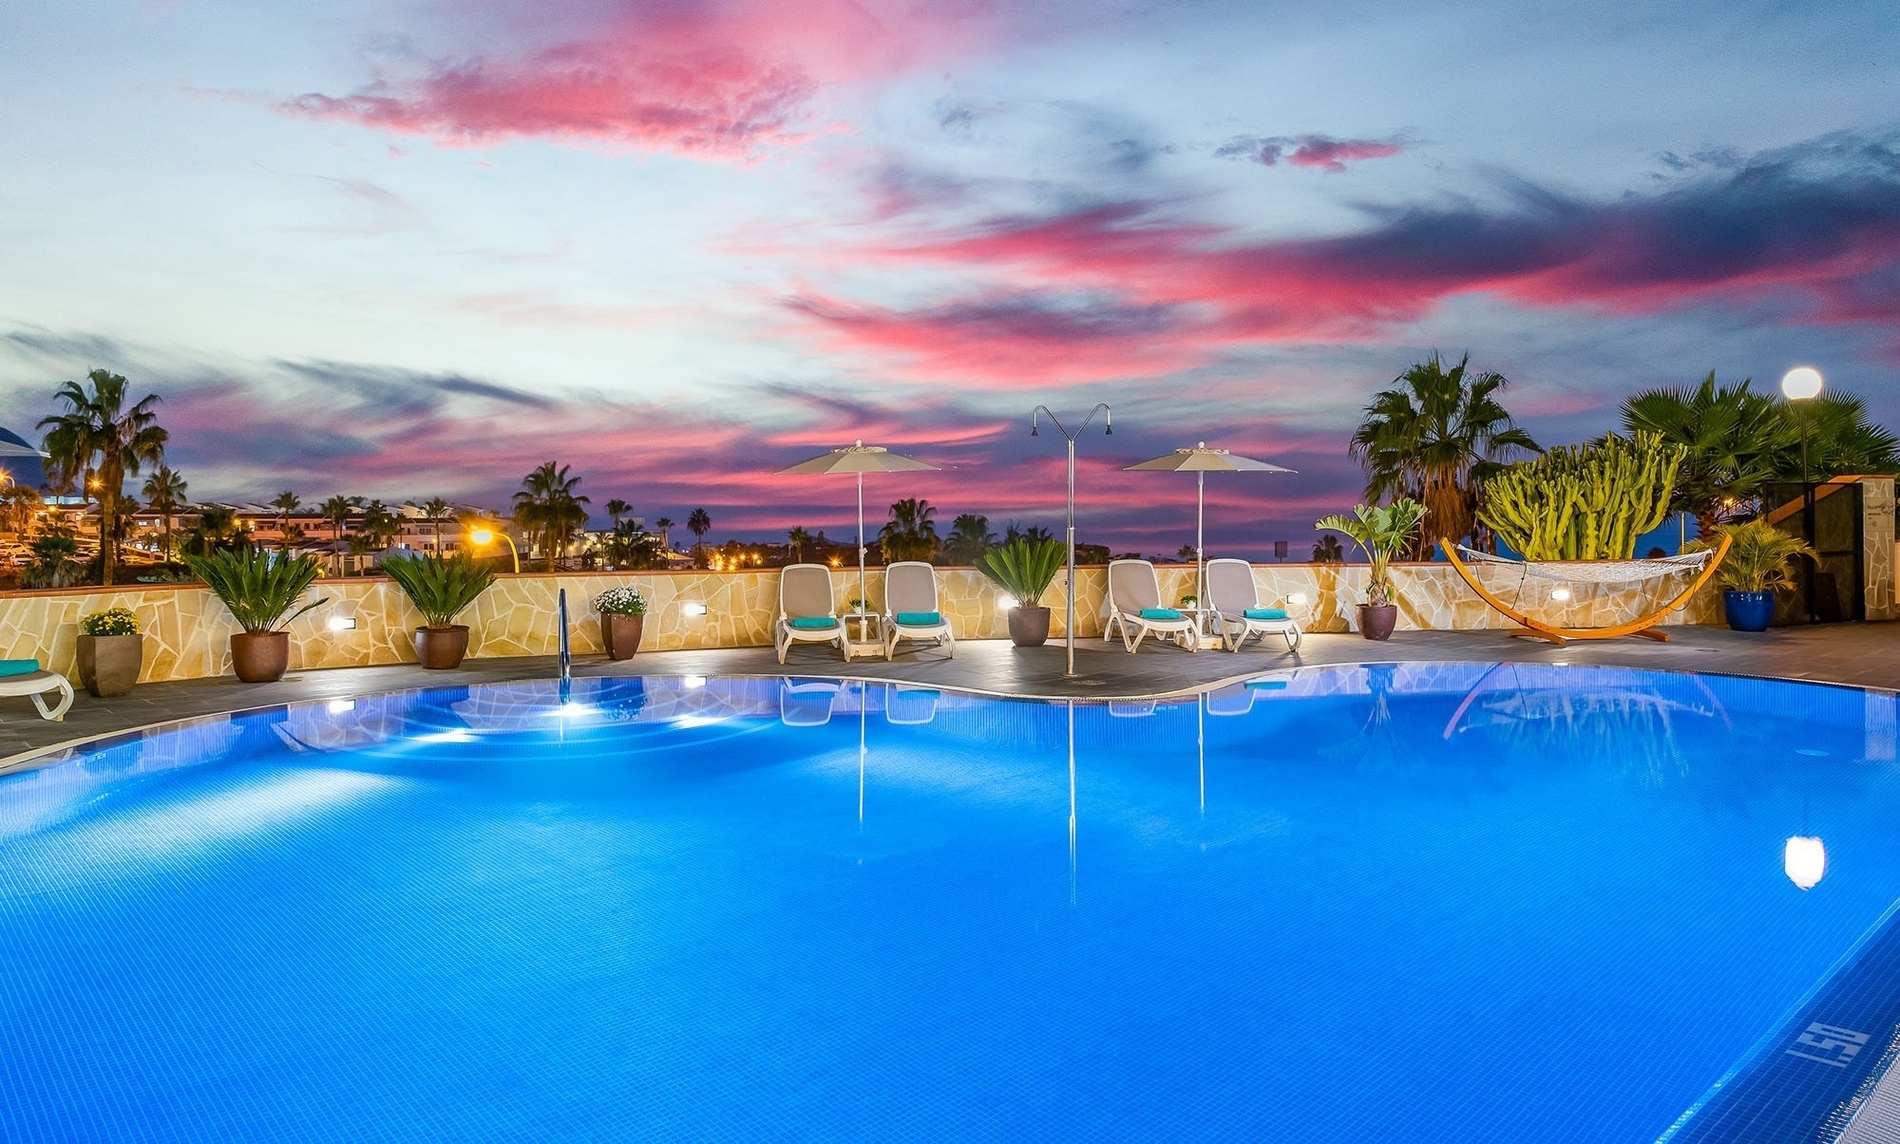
1701 564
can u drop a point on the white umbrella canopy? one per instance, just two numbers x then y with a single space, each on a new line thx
859 459
1201 460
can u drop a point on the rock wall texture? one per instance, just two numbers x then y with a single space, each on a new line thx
188 631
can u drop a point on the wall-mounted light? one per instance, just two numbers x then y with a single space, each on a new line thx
1006 602
695 681
342 623
339 706
692 608
1297 599
1560 594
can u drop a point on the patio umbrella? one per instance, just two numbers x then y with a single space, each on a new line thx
860 459
1201 460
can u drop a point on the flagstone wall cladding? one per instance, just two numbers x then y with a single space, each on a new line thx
188 631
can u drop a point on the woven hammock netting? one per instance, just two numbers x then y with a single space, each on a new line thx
1604 572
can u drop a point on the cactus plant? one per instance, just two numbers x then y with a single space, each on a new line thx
1584 502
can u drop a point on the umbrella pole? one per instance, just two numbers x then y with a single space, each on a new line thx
864 597
1200 552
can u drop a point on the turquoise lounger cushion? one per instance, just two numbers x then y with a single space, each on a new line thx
814 623
920 619
18 666
1160 614
1265 613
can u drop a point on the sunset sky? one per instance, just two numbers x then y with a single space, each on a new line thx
414 249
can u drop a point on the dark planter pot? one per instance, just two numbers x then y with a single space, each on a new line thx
109 665
621 634
1029 627
1749 611
1377 621
440 649
260 657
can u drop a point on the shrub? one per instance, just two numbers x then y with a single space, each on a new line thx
1759 556
259 587
1023 568
111 622
440 586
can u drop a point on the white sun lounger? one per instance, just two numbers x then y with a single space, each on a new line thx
910 607
39 684
806 613
1235 601
1134 604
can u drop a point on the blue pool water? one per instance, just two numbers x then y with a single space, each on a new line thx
1428 902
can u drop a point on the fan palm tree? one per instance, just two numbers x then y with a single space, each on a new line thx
285 503
1328 550
1840 439
910 534
617 508
104 434
665 524
164 493
970 537
548 507
699 524
1436 436
1733 437
381 525
437 510
216 527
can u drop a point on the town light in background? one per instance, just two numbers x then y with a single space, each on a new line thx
483 537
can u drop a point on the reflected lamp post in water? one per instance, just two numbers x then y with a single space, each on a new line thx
1035 430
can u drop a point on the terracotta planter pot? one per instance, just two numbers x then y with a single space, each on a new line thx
260 657
1029 627
109 665
621 634
440 649
1377 622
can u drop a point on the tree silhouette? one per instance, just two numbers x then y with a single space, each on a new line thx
103 436
164 493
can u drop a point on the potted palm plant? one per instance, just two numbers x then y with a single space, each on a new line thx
110 651
260 588
1024 569
1756 567
440 587
623 615
1381 533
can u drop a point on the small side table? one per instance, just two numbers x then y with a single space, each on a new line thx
1200 639
863 634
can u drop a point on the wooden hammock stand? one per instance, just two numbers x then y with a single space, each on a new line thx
1642 626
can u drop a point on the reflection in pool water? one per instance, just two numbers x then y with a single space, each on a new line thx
1420 902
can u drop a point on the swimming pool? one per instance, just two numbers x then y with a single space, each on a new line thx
1420 902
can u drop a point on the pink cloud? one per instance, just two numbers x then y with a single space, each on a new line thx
694 78
1321 152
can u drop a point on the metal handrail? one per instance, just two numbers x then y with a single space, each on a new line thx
566 657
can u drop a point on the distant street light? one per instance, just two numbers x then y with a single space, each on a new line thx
483 537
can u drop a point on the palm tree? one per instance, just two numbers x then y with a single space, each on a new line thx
548 506
103 434
617 508
337 511
164 493
380 525
1733 438
437 510
910 534
699 524
1436 437
797 539
970 538
285 503
1840 439
216 527
664 524
1328 550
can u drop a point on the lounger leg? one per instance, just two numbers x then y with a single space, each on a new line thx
950 644
1141 633
58 713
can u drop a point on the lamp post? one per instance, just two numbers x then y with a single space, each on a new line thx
1035 430
1799 386
483 537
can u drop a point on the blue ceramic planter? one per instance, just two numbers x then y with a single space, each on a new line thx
1749 611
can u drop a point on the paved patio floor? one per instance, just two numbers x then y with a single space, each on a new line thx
1866 655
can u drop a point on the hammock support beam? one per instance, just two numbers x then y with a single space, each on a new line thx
1538 629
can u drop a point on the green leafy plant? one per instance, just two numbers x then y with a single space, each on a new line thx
1023 567
259 587
53 565
622 601
440 586
1381 533
111 622
1759 555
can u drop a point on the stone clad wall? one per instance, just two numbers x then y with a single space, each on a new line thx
188 630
